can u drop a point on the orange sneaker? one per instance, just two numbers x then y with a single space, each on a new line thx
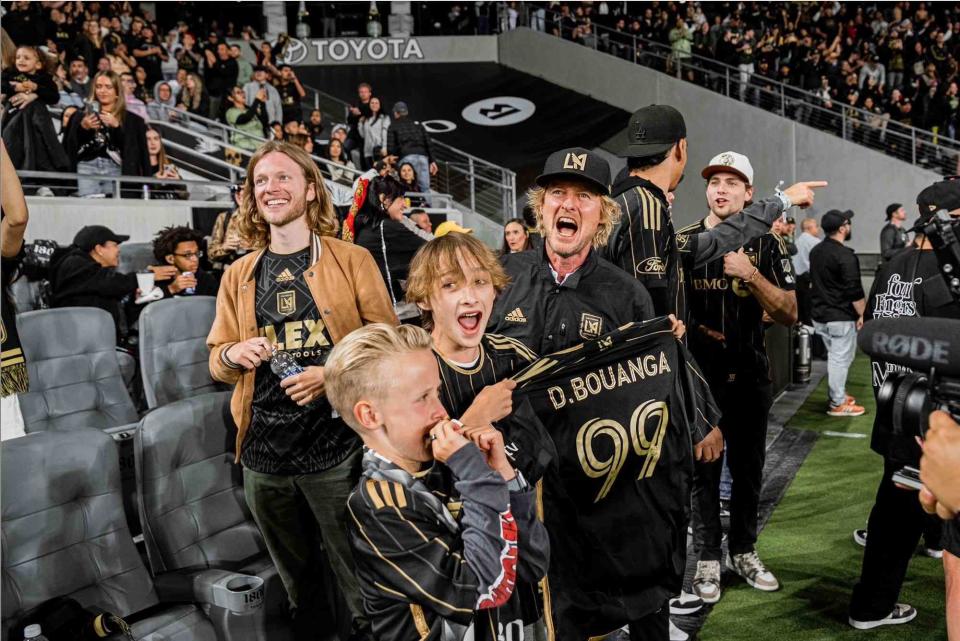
849 400
847 409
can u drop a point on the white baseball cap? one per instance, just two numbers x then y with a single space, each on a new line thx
730 161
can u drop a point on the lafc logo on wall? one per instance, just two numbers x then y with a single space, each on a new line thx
287 302
590 326
575 161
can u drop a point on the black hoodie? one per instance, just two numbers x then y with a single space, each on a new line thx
77 280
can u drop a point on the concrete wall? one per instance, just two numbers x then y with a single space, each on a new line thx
861 179
60 219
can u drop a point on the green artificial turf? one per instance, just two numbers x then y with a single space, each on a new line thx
808 544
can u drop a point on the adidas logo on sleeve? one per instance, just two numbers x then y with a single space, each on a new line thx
516 316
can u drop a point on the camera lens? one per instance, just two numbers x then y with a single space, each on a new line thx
903 403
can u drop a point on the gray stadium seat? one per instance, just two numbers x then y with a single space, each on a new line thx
75 378
191 501
64 534
173 349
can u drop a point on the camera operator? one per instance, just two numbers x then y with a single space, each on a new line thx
940 473
908 285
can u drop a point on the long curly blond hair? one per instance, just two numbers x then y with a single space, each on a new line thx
319 212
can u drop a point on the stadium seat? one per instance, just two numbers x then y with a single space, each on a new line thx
173 349
64 534
191 501
75 378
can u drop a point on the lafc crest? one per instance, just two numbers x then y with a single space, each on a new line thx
575 161
591 326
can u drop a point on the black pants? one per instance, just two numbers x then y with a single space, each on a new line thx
804 288
893 531
745 407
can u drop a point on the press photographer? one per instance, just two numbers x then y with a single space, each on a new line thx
909 285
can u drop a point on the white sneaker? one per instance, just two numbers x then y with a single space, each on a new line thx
933 553
902 613
706 582
676 634
860 536
685 603
751 568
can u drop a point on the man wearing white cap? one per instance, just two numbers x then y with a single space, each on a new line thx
729 299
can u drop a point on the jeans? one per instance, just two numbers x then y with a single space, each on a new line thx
840 339
421 165
300 516
96 167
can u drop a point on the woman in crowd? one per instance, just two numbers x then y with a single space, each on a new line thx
105 140
516 238
379 228
408 177
193 97
373 130
164 101
161 167
251 120
340 173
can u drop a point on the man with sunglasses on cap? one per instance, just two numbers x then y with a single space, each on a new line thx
907 285
560 296
645 244
838 304
729 298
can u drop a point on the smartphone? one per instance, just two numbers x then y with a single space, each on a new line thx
908 477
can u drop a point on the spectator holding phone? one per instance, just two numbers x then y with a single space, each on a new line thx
161 167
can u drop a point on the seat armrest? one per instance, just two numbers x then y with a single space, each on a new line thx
122 432
233 601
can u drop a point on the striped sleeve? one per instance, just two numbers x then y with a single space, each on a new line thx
404 550
647 240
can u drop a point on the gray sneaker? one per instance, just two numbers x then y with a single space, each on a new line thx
751 568
902 613
706 582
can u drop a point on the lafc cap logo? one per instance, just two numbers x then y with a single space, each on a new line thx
575 161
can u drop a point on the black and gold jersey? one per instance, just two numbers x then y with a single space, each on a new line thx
726 305
620 412
500 356
437 554
285 438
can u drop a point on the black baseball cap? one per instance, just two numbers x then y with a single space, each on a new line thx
92 235
835 219
653 130
940 195
892 207
577 163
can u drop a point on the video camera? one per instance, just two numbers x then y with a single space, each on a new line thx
928 346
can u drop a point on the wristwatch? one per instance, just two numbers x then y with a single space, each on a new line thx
518 483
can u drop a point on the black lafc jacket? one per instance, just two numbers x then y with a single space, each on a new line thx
547 317
620 411
646 246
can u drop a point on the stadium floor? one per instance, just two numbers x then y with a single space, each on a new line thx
807 540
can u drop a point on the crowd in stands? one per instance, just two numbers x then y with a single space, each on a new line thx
865 71
82 80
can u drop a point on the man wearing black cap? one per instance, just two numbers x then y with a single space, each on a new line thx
259 82
893 238
559 296
644 244
553 290
908 285
838 304
84 274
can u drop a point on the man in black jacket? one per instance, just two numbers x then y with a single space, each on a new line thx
84 274
893 238
407 141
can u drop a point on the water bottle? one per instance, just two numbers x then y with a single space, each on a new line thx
284 365
189 291
33 633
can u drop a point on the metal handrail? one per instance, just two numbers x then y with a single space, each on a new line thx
782 94
506 205
58 178
225 130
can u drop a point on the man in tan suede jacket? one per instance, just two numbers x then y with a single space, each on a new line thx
301 293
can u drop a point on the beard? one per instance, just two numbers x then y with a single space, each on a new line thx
295 210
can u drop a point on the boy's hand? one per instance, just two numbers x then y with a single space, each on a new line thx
494 402
446 440
490 443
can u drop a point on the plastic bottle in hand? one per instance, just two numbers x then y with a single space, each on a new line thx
33 633
284 365
189 291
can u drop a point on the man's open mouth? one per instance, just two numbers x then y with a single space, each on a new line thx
567 227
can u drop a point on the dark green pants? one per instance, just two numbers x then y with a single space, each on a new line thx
300 515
